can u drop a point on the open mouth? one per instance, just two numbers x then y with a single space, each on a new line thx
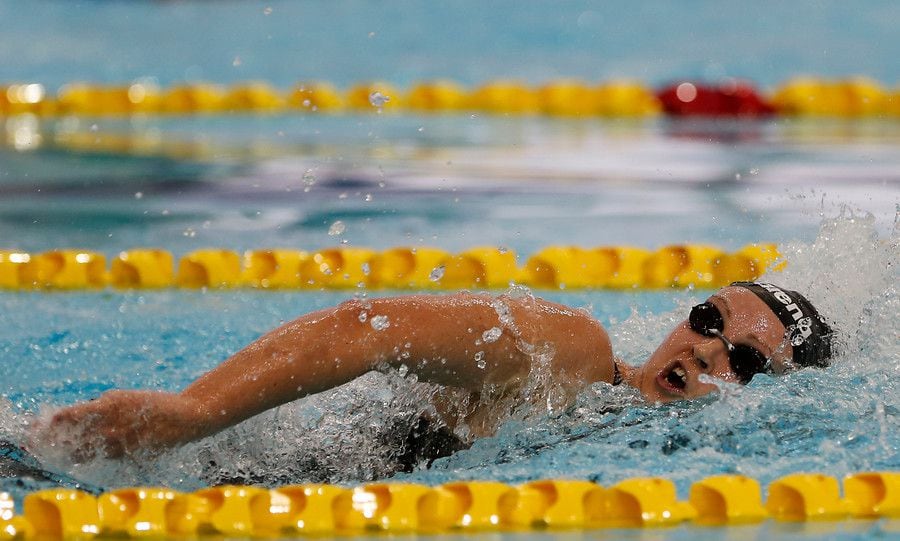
673 378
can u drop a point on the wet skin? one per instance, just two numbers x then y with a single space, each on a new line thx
437 337
673 371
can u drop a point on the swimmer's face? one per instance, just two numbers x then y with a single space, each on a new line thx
674 369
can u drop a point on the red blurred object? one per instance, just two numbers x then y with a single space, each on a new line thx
732 98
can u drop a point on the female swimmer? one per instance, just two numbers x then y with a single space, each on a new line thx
462 342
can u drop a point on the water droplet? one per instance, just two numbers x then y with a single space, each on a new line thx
377 99
368 198
366 269
737 176
421 129
189 232
380 323
237 61
138 195
437 273
307 103
479 360
754 171
363 316
518 291
492 335
403 370
267 11
94 127
337 228
309 179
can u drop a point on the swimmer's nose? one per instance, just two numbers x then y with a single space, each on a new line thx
711 355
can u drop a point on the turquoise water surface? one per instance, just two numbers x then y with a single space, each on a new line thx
826 190
64 347
59 41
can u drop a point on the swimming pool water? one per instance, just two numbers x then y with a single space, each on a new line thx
535 184
345 41
826 190
452 182
64 347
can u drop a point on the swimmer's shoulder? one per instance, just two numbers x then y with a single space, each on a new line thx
582 348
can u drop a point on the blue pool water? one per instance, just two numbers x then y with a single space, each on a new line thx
827 191
64 347
58 41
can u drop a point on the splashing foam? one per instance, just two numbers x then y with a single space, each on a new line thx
851 276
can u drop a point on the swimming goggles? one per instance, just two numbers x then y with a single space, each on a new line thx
746 361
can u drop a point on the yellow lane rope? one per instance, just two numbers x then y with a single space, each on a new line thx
413 268
853 97
459 506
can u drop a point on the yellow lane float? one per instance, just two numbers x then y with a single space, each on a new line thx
855 97
436 96
65 269
504 97
315 96
459 506
408 268
727 499
254 96
374 96
415 268
681 266
626 99
561 503
392 507
645 502
337 268
211 268
142 268
806 496
482 267
135 512
873 494
278 268
197 98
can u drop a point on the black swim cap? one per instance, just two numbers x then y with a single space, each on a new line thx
807 331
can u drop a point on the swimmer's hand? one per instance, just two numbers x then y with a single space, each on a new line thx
121 423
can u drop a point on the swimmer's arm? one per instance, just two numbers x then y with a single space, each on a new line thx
437 337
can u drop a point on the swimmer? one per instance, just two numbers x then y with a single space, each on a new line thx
467 343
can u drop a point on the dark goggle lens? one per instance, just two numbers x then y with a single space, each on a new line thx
706 317
746 361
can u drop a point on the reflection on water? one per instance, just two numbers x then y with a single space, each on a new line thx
453 182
